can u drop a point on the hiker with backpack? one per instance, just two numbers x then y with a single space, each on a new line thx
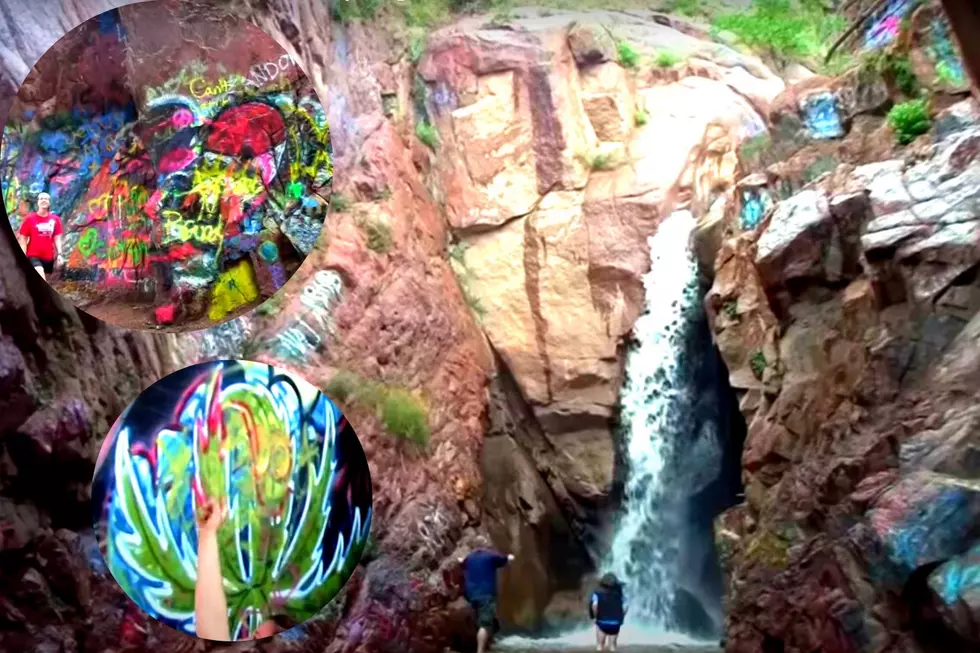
607 608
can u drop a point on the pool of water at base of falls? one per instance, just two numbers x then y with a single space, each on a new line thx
632 639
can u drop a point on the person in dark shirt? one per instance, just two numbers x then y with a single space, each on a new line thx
480 588
607 607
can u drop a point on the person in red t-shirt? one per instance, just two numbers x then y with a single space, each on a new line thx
40 237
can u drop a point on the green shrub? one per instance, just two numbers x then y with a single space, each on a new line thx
339 203
346 11
758 364
628 56
378 236
910 120
343 386
400 412
425 13
404 417
599 161
894 68
416 46
666 59
427 134
788 30
684 7
640 117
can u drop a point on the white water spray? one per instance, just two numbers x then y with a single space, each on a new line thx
657 399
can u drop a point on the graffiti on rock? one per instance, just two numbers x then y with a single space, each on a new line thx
182 184
886 24
821 116
756 201
305 335
282 458
960 576
945 54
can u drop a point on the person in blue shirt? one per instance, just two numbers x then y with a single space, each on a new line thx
607 607
480 588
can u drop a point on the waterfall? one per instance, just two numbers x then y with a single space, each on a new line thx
657 401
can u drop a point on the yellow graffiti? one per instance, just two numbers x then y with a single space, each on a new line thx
179 230
212 182
236 287
199 89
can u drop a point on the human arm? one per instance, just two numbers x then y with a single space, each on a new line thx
24 233
58 236
210 604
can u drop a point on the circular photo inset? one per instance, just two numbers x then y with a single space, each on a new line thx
165 170
231 500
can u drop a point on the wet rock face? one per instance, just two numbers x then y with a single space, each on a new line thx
855 300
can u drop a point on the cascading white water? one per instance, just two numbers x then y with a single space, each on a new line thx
657 399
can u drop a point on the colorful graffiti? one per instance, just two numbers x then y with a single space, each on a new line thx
886 24
945 54
282 458
821 116
184 181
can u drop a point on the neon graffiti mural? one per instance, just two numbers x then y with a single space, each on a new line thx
276 450
180 181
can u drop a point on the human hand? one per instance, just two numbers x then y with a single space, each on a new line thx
210 516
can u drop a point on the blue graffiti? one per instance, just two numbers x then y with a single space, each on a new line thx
821 116
959 576
933 531
755 203
55 142
443 97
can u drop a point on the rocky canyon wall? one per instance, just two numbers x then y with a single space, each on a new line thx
847 319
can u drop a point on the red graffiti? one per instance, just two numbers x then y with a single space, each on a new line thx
246 130
176 159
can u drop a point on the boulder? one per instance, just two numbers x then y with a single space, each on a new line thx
956 588
591 44
861 91
926 518
957 118
608 100
792 245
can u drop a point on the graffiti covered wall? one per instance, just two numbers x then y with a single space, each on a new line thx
194 180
